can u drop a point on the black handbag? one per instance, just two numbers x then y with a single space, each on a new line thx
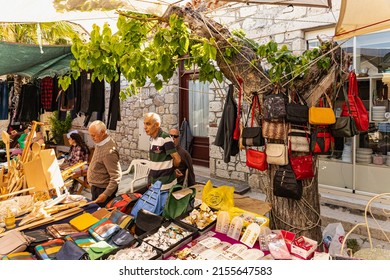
252 136
297 113
147 221
122 238
70 251
344 127
286 184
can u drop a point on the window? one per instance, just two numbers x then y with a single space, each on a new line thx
198 103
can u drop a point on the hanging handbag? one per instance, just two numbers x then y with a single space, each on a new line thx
301 165
299 139
178 204
322 115
345 126
274 130
356 107
252 136
285 183
277 153
256 159
297 113
274 106
321 141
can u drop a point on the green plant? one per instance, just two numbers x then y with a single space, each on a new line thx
58 127
353 245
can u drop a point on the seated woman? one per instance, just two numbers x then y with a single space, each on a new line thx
78 151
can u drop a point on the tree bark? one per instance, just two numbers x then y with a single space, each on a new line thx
303 216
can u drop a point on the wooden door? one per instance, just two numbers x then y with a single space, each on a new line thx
194 107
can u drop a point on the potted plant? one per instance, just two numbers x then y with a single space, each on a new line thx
59 127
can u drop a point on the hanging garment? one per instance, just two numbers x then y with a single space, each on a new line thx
97 101
114 110
86 87
224 137
29 103
186 136
3 101
47 93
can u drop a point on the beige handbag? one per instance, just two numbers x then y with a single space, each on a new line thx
277 153
14 242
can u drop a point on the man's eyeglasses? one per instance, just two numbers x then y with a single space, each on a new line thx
174 136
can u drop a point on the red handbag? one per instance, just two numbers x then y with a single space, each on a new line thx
358 110
321 142
302 167
256 159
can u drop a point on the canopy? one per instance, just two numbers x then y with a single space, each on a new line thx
359 17
28 60
307 3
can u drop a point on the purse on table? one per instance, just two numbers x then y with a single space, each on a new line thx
285 183
99 249
70 251
14 242
122 238
49 249
124 202
121 219
103 229
147 221
60 230
83 221
256 159
177 204
20 256
82 239
252 136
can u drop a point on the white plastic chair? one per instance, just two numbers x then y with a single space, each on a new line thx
141 173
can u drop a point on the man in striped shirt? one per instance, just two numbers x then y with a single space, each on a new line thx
164 158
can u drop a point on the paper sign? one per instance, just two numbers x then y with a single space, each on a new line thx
250 235
223 221
235 228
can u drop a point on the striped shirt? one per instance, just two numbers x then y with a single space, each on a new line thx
161 162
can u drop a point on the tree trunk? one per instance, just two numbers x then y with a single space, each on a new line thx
303 216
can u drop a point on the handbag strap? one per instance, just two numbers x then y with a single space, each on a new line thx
252 108
240 82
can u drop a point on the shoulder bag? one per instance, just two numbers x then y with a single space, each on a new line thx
299 140
256 159
357 108
276 153
252 136
274 106
178 204
70 251
285 183
322 115
297 113
303 165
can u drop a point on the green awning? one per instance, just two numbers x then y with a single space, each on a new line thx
28 60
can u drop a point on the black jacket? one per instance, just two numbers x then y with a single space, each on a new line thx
224 137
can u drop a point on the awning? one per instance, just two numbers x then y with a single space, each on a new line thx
28 60
305 3
359 17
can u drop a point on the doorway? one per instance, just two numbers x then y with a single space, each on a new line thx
194 107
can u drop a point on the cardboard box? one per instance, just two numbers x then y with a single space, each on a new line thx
303 247
288 238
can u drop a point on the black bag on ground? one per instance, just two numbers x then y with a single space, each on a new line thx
286 184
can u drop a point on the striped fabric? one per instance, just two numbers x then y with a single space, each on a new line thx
161 163
49 249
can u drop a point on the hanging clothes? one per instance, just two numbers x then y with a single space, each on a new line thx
85 91
186 136
47 93
97 102
224 137
114 110
29 103
3 101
